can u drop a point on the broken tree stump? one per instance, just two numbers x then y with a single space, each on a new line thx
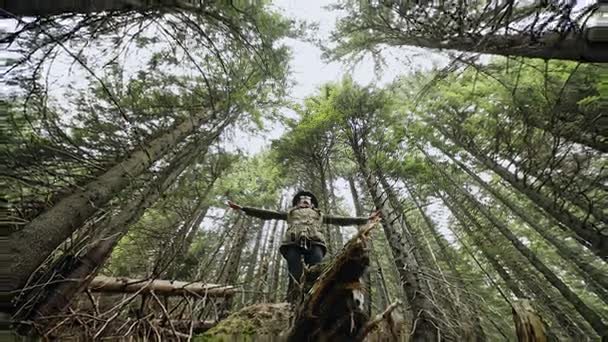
332 309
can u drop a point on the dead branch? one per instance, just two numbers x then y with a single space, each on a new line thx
162 287
384 316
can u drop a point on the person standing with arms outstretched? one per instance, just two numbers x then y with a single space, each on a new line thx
304 238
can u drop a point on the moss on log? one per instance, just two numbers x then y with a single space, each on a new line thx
259 322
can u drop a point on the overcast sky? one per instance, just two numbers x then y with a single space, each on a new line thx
309 71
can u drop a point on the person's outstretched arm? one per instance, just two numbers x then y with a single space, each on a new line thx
263 214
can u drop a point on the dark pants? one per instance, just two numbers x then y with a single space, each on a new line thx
293 255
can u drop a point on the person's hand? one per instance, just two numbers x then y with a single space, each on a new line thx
375 216
234 205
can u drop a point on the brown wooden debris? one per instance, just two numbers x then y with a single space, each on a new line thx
160 287
529 326
384 316
329 310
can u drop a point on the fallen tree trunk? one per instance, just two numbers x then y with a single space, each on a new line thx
160 287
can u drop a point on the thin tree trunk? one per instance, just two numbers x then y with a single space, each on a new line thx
420 250
31 245
261 278
113 229
333 206
511 283
276 272
204 269
253 261
418 296
230 273
598 242
591 316
596 279
448 256
534 288
368 277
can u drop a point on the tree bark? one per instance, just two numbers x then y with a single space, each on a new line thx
532 285
591 316
598 242
253 261
549 46
160 287
37 240
597 280
418 296
112 231
45 8
276 271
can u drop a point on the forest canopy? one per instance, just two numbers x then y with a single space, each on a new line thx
126 131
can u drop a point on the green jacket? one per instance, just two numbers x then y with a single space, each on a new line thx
304 223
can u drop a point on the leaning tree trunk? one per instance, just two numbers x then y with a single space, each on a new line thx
253 262
30 246
591 316
231 271
422 253
533 285
593 276
276 271
418 295
448 256
46 8
76 279
368 277
203 271
587 137
598 242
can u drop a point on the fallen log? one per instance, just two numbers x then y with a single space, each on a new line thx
332 309
160 287
184 325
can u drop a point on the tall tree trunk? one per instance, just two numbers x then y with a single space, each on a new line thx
534 289
277 267
596 279
44 8
368 277
113 229
448 256
204 268
421 251
591 316
329 241
418 295
230 273
598 242
333 206
253 262
31 245
185 237
261 277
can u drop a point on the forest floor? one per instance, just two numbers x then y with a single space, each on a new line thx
266 321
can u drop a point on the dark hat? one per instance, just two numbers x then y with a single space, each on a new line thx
295 199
